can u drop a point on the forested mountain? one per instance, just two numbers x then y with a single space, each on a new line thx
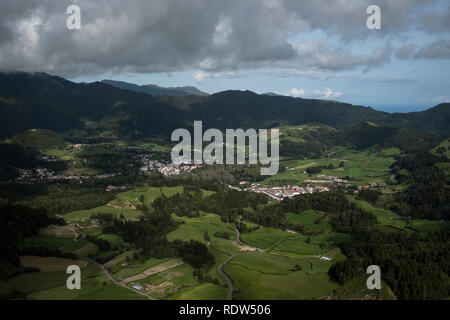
47 102
436 119
155 90
44 101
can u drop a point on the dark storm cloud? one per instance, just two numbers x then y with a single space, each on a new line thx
439 23
174 35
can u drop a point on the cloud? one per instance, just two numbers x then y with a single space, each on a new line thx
437 50
212 36
201 76
436 22
396 81
318 75
327 93
294 92
347 18
319 53
405 51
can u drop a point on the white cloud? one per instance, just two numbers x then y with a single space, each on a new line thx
294 92
326 93
318 75
201 76
222 33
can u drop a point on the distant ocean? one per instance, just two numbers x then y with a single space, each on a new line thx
401 109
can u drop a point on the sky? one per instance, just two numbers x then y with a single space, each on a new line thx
309 48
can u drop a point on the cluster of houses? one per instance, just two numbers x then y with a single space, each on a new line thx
280 192
112 188
78 146
48 158
167 169
43 174
327 179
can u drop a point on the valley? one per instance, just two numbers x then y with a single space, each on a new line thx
101 192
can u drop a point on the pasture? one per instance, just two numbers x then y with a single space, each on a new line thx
46 241
149 193
195 228
254 284
84 215
310 219
265 237
204 291
363 166
384 217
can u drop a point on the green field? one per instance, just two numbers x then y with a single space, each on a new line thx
310 219
46 241
123 258
357 290
425 226
115 241
92 231
194 228
75 246
362 166
205 291
136 267
171 281
96 288
265 237
149 193
385 217
88 249
255 284
298 245
389 218
52 286
81 215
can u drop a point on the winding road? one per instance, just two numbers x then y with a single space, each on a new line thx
226 277
220 268
106 272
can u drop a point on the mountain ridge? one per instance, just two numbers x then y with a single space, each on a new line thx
156 90
40 100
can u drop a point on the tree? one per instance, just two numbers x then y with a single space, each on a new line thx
206 236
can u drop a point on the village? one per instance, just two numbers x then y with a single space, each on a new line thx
280 192
167 169
43 174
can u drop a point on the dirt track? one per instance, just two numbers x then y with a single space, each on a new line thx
110 277
153 270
